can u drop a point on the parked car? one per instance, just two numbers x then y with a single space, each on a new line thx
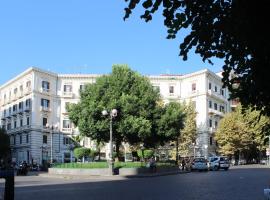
200 164
218 162
263 161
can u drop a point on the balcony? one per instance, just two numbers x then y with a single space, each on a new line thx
45 109
14 113
20 111
193 93
45 90
67 130
14 97
216 95
212 129
3 117
67 94
27 108
215 112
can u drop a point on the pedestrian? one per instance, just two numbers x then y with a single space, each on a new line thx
183 164
152 164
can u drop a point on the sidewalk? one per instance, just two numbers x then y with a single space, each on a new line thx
68 176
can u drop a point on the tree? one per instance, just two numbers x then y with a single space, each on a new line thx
189 132
82 152
145 153
134 98
243 130
232 30
232 134
172 122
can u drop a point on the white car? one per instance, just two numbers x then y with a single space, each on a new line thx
218 162
199 164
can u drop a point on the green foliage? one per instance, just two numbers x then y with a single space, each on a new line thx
189 132
4 144
171 121
128 92
146 153
81 152
242 130
225 30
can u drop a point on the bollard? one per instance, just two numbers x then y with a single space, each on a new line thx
266 193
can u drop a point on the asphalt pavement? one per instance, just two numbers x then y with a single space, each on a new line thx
238 183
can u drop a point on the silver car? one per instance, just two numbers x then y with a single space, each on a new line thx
200 164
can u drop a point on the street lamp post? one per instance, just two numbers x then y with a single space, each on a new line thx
112 114
206 152
51 127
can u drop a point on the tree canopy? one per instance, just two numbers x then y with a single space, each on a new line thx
243 131
233 30
135 100
4 145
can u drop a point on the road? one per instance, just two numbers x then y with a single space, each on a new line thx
241 183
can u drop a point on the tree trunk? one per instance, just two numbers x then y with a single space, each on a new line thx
177 147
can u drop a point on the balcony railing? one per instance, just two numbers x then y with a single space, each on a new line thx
215 112
27 108
67 94
216 95
45 90
67 130
45 109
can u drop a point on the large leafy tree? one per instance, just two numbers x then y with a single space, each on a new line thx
189 132
171 123
134 98
243 130
233 30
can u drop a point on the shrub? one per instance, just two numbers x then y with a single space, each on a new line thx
81 152
147 153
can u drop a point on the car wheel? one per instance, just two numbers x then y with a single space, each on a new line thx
226 169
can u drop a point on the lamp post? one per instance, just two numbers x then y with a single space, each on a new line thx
113 113
206 152
51 127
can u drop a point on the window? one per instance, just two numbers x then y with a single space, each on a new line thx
210 122
66 140
15 124
45 139
215 88
9 110
209 86
15 108
67 88
27 138
20 138
82 87
67 105
21 122
20 105
45 86
210 104
221 108
21 88
15 91
222 92
66 124
216 124
44 121
9 126
193 86
28 84
28 121
171 89
211 141
215 106
28 102
45 103
14 139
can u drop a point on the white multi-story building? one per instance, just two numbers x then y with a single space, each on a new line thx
33 109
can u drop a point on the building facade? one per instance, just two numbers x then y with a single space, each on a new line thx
33 110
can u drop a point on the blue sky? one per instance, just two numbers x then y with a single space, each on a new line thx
82 36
